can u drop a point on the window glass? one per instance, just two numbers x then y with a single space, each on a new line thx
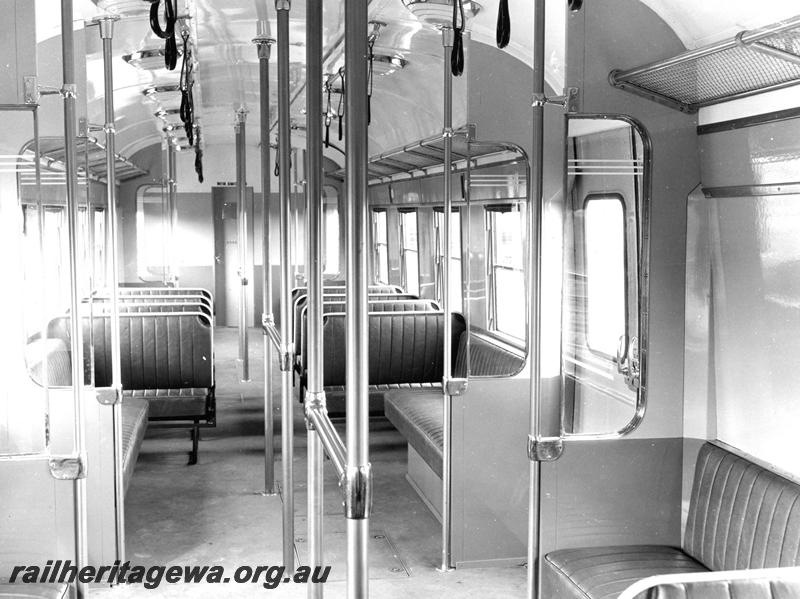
455 258
410 252
507 275
151 233
605 273
381 247
331 233
100 266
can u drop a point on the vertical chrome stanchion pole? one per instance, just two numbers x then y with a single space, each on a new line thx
106 26
534 259
315 395
69 91
172 202
284 152
447 404
264 45
241 194
358 473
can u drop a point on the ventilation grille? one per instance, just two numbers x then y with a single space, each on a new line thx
751 63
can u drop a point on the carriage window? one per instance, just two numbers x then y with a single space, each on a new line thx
409 252
604 230
455 257
331 231
151 233
99 248
506 272
380 247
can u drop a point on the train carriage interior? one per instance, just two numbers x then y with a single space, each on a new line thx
437 298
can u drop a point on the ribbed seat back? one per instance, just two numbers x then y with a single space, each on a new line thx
55 354
158 351
404 347
741 515
166 351
486 358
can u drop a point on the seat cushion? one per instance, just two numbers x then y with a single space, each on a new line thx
604 572
418 415
134 424
177 404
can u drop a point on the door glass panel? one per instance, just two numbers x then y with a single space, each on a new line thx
602 331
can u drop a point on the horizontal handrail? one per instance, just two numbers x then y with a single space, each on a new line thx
331 440
271 331
785 574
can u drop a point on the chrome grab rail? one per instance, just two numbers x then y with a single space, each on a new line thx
272 332
331 441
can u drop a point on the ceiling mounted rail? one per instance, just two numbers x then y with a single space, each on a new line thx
753 62
426 157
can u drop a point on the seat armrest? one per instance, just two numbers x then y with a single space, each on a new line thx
767 583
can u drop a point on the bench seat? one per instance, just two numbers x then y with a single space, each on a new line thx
741 516
134 424
604 572
417 415
173 404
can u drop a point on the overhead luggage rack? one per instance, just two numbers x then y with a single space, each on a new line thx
752 62
426 157
91 156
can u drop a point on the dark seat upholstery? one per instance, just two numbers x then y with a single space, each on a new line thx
741 516
417 414
335 296
405 347
34 591
134 423
328 307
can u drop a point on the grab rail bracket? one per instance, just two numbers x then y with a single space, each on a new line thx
68 468
545 449
109 396
455 386
356 485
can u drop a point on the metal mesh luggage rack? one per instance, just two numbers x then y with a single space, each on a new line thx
426 157
752 62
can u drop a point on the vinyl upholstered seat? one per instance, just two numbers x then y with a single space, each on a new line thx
604 572
741 516
169 404
417 415
134 425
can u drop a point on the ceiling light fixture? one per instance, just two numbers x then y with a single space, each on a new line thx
439 13
131 8
148 59
385 64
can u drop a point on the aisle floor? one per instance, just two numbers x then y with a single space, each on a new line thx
215 512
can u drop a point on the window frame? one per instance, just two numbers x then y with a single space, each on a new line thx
376 262
490 212
438 253
404 250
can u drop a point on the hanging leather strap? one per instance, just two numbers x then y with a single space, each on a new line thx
457 54
503 24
